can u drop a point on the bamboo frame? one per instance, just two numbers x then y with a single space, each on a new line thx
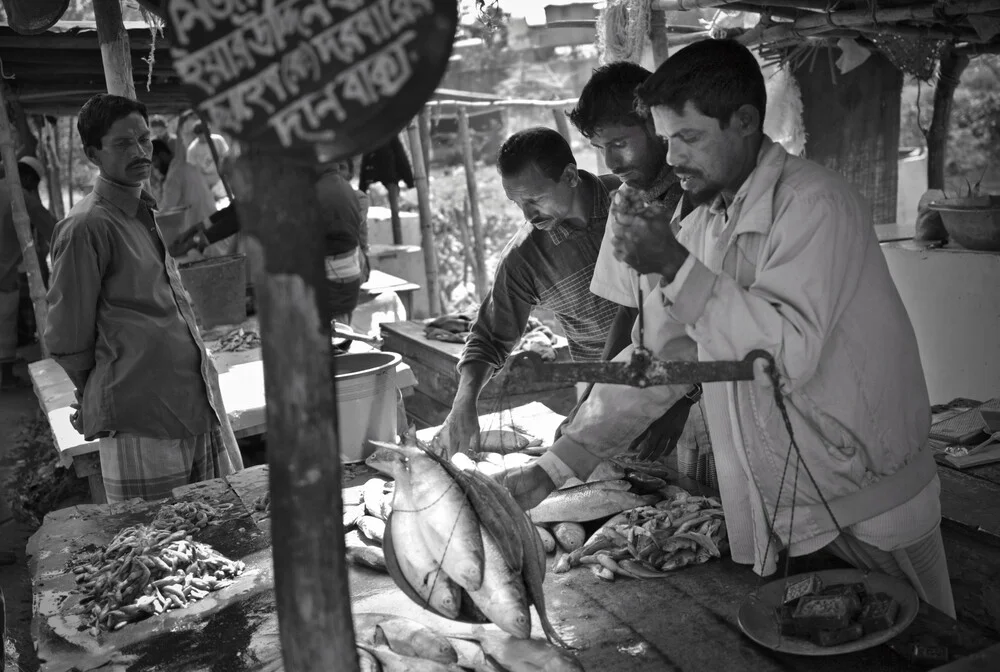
22 223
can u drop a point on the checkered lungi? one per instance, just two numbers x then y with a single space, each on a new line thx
138 466
694 450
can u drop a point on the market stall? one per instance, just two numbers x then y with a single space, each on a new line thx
625 624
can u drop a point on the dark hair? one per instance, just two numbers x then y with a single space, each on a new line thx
157 120
609 98
100 112
161 147
717 76
30 179
542 147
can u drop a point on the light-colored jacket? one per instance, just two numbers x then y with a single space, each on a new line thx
792 267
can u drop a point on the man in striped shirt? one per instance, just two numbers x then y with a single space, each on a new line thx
549 264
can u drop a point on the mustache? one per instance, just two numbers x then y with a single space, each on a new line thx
140 162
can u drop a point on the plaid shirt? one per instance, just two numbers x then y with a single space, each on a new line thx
551 270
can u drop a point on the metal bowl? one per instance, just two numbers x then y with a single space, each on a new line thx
974 228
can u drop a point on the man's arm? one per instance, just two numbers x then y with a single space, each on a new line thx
809 274
502 319
78 264
620 336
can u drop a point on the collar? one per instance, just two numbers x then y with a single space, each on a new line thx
753 204
663 181
125 197
598 212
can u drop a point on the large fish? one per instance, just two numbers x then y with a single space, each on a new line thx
444 516
417 564
502 596
588 502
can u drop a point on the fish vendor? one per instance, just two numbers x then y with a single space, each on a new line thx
780 254
549 263
123 328
605 114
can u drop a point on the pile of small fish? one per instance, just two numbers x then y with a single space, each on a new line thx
238 340
365 513
190 516
649 541
147 570
391 643
462 546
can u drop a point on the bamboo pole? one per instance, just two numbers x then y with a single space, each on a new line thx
426 222
115 53
277 201
562 124
478 243
507 102
425 136
658 40
686 5
22 223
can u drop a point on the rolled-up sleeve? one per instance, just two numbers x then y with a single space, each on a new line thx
79 259
811 270
503 317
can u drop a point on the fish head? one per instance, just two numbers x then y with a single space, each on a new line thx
511 616
389 459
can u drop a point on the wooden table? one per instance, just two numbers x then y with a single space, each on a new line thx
241 382
435 364
686 622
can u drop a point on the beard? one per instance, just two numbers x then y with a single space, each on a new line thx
699 190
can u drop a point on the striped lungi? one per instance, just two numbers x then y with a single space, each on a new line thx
694 450
138 466
922 564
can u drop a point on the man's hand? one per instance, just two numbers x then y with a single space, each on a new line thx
528 485
76 419
642 236
460 432
662 436
189 240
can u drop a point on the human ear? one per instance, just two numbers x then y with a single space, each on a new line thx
92 156
747 120
570 175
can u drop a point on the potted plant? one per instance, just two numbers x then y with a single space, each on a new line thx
972 218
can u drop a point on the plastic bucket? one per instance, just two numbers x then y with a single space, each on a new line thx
217 286
366 401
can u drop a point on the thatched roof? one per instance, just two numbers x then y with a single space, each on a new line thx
56 71
907 30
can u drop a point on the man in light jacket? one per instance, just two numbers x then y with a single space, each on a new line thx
780 255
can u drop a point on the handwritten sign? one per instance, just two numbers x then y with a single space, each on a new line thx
293 73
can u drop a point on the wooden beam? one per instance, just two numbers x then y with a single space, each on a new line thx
952 65
478 242
115 53
276 199
426 220
22 223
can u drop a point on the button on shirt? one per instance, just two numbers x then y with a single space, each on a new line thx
122 325
553 270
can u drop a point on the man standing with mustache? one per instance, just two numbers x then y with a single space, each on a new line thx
548 263
605 114
123 328
780 255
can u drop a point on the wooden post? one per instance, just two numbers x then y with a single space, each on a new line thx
69 160
275 197
658 36
426 221
392 190
953 64
478 244
115 54
22 223
55 171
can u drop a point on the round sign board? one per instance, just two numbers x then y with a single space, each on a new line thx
31 17
348 74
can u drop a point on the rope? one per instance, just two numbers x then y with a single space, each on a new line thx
622 28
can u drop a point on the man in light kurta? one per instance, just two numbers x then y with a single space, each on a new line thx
781 255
